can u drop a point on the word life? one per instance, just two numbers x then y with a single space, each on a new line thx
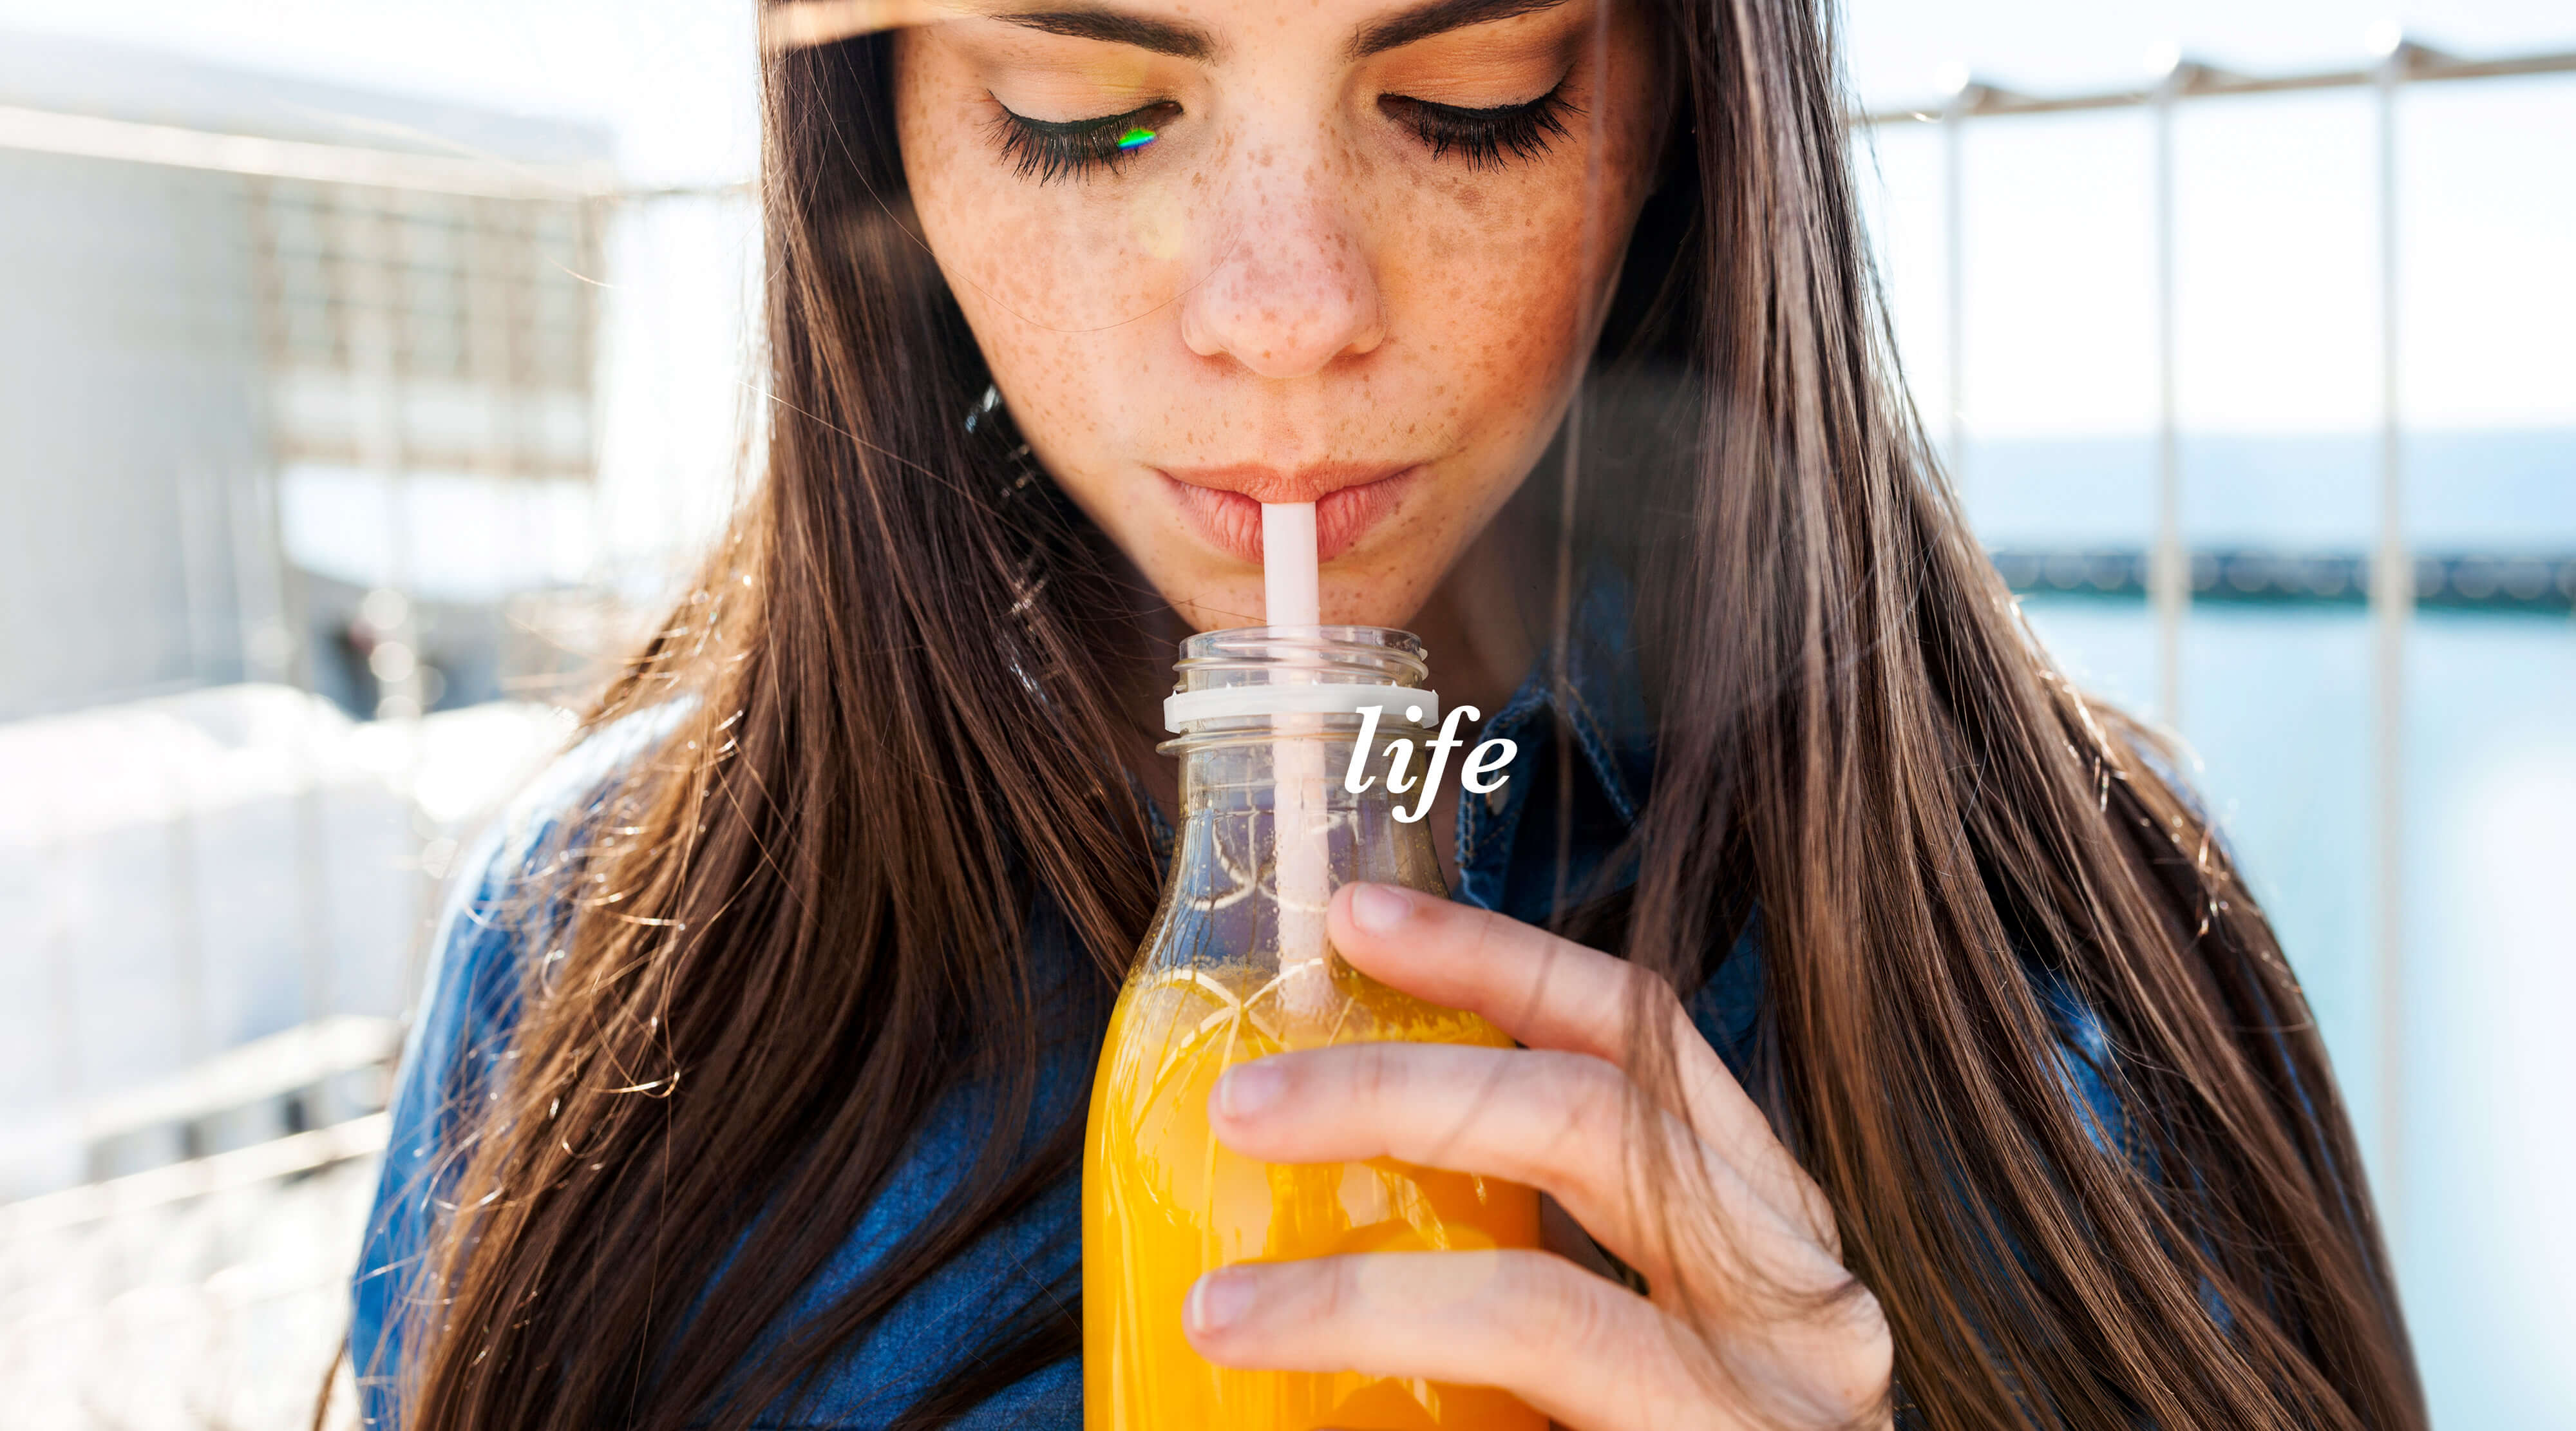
1488 758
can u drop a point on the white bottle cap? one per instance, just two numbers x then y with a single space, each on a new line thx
1398 703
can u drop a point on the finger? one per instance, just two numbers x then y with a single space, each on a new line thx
1583 1351
1552 993
1556 1121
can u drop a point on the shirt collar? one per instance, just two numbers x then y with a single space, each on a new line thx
1605 695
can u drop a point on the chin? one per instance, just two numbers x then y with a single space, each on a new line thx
1216 603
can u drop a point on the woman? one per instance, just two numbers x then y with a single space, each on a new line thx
1945 1074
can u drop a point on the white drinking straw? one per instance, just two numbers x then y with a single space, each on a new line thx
1291 584
1291 590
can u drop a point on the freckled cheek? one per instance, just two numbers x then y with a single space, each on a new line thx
1051 261
1062 298
1063 255
1074 395
1501 301
1088 402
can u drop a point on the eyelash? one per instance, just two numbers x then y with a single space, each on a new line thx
1485 138
1046 150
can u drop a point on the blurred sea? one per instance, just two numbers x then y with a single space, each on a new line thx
2277 710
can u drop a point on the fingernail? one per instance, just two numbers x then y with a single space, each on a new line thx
1217 1301
1378 909
1245 1091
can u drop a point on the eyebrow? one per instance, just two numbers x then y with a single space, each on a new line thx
1118 27
1439 17
1189 42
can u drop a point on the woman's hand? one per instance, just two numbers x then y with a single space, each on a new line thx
1742 1326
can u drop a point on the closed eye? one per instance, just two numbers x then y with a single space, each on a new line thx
1048 149
1484 138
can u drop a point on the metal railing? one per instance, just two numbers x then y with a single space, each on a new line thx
2392 574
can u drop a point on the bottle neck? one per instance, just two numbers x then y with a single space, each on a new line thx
1269 722
1244 769
1231 797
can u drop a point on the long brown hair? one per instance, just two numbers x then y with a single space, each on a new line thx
802 921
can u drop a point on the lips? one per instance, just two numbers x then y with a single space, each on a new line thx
1224 503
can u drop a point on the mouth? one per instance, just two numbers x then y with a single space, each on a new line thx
1223 504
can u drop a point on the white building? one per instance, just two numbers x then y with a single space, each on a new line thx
298 388
266 345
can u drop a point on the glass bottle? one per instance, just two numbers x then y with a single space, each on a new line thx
1236 967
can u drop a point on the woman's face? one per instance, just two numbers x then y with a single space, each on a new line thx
1221 252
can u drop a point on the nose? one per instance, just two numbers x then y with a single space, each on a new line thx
1290 287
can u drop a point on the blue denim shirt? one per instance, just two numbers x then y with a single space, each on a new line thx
1507 861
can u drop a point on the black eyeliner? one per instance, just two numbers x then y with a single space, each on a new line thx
1049 149
1485 138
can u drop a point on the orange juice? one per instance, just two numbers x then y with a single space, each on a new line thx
1236 968
1164 1202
